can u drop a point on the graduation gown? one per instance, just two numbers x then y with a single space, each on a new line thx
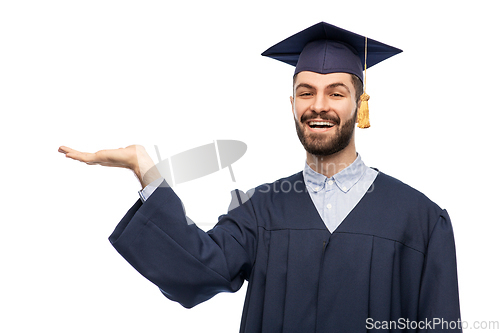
392 259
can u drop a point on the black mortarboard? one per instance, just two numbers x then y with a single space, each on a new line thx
324 48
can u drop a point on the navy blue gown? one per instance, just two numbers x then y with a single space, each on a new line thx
392 259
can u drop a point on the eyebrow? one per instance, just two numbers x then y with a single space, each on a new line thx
330 86
304 85
339 84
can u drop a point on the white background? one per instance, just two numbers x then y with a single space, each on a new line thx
106 74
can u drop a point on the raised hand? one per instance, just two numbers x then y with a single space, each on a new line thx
133 157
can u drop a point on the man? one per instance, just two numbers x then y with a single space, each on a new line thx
338 247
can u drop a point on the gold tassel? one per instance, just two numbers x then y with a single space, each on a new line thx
363 113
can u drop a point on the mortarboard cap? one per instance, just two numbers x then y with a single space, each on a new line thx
324 48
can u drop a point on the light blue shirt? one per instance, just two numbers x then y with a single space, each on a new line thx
146 192
333 197
336 196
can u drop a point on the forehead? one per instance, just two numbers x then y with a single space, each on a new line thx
318 80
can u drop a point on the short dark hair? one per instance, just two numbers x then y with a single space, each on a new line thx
358 86
356 82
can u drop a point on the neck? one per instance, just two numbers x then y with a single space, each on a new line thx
332 164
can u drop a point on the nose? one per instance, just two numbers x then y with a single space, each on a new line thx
319 104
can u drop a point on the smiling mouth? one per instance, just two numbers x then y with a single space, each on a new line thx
320 125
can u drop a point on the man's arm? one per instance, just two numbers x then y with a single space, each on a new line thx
189 265
133 157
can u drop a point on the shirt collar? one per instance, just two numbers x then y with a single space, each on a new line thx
344 180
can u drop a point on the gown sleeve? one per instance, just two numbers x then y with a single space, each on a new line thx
438 301
188 265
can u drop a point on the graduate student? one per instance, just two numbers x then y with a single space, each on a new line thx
336 247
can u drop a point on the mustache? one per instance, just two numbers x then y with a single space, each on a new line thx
322 115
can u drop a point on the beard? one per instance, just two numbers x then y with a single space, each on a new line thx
322 144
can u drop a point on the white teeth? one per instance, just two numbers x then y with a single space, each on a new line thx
320 123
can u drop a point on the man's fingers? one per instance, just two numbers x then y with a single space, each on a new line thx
88 158
132 157
122 157
83 157
64 149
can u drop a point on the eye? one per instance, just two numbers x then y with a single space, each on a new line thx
337 95
305 94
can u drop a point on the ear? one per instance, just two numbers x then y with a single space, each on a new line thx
291 102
